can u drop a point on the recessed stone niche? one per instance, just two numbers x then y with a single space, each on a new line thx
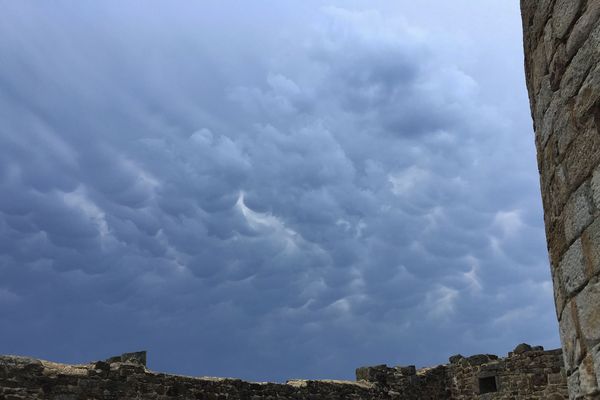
487 384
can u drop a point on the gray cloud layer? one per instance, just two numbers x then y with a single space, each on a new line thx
267 194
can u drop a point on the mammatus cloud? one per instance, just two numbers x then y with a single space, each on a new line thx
337 197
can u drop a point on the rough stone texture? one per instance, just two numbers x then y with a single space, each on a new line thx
562 65
126 377
527 373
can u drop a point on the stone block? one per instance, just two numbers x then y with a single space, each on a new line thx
544 98
556 192
138 357
568 337
540 67
566 129
546 128
455 358
408 370
583 155
559 293
580 65
555 378
588 310
577 213
557 67
549 39
564 14
590 241
588 95
572 268
588 385
522 348
595 187
595 353
582 28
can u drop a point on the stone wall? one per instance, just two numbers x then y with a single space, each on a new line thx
562 54
127 378
406 382
528 374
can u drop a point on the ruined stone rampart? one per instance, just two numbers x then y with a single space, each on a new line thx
531 374
562 58
525 374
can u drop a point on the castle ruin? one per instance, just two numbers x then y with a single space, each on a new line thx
562 61
527 373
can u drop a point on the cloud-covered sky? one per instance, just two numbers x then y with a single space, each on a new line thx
268 191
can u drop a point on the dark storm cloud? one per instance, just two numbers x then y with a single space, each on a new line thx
257 207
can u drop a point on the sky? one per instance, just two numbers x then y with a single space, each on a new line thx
270 190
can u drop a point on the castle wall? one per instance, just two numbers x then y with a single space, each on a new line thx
531 374
126 378
115 379
562 54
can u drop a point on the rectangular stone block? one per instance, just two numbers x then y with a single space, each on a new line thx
556 193
565 12
582 28
566 129
588 310
568 337
577 213
590 241
589 94
546 127
572 268
555 232
580 65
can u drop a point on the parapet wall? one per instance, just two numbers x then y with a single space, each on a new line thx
562 61
530 373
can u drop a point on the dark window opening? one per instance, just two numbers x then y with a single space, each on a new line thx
487 385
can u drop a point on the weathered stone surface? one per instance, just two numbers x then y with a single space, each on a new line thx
588 310
138 357
569 337
590 241
533 375
572 268
577 213
565 12
574 385
567 124
595 352
455 358
588 385
522 348
528 374
595 183
583 28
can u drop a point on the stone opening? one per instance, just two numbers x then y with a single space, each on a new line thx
487 385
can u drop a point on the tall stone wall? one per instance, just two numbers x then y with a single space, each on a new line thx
562 61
